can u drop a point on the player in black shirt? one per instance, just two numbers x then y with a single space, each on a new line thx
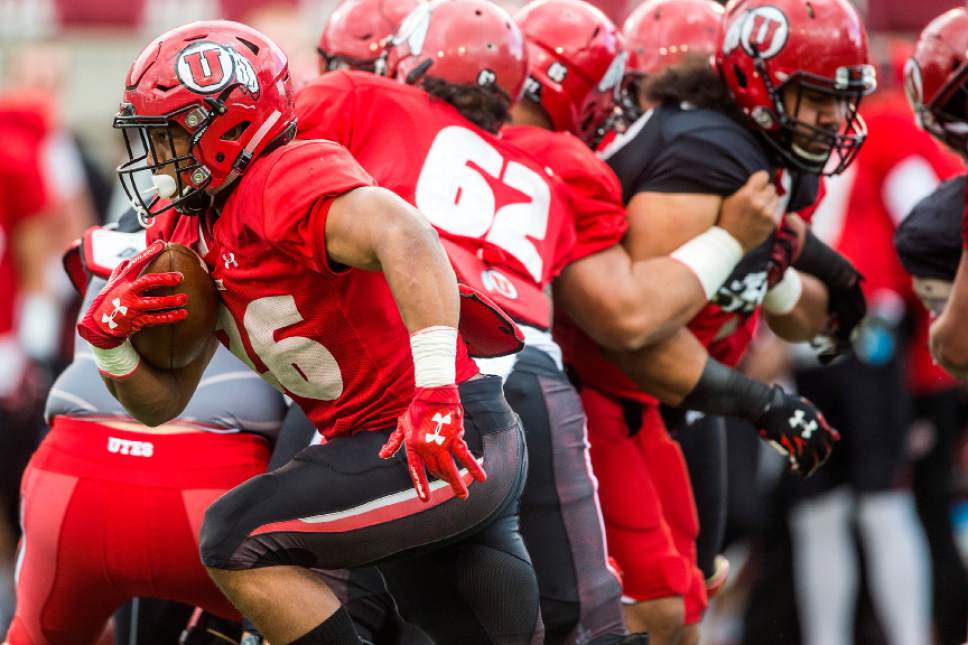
936 82
784 99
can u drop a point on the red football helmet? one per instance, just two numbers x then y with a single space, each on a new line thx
223 83
660 33
818 48
577 63
356 33
464 42
935 79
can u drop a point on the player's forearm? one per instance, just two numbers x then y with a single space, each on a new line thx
154 396
680 372
808 318
625 305
668 370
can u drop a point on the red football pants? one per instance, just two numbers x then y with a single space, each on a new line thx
650 516
109 515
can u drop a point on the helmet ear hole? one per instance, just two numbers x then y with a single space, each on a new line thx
252 46
740 76
236 132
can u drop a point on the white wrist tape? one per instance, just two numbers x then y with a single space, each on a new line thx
785 294
118 362
712 256
434 356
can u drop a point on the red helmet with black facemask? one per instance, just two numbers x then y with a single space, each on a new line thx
804 51
935 79
223 84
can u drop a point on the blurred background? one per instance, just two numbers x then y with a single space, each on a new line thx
870 551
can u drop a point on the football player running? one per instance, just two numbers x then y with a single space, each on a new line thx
507 225
339 294
936 83
675 164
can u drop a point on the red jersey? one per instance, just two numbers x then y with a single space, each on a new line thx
600 223
330 337
596 196
899 165
22 193
504 219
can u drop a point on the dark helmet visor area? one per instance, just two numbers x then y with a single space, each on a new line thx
154 176
948 120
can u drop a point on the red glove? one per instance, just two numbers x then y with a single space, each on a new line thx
433 430
121 310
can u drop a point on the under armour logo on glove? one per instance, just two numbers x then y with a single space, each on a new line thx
432 430
797 429
118 309
797 421
122 309
441 420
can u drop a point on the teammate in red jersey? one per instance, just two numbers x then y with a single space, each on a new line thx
506 222
370 117
663 33
356 33
656 581
936 81
324 281
660 34
572 89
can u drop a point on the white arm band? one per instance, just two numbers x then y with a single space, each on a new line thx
785 294
434 356
118 362
712 256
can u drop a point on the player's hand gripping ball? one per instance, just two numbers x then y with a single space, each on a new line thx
175 345
147 298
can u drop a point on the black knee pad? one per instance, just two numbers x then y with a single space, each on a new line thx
224 527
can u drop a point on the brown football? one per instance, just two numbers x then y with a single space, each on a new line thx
175 346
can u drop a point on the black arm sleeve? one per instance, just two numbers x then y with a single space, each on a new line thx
821 261
724 391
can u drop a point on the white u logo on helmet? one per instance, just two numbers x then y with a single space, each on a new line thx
207 68
763 31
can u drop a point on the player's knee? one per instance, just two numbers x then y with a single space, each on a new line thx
221 533
662 618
